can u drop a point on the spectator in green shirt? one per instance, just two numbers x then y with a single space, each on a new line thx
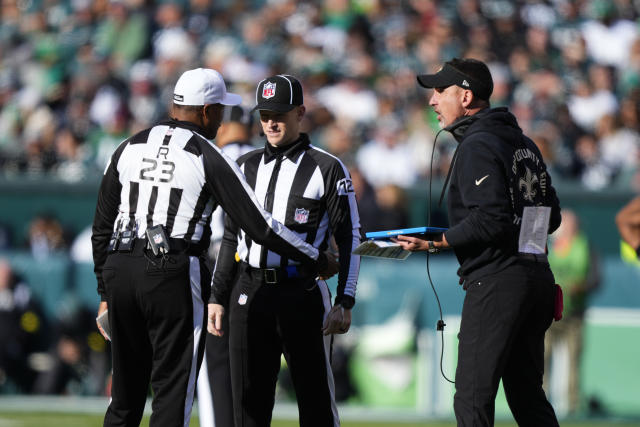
575 268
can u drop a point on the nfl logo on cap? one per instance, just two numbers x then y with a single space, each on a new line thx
287 96
269 90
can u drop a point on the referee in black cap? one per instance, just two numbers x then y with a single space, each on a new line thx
276 305
501 207
150 230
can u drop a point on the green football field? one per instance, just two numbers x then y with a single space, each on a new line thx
21 419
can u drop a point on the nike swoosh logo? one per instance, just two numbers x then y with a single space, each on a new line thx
479 181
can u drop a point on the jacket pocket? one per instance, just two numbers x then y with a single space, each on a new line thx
303 214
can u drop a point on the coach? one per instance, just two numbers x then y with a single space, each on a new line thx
500 199
150 229
276 305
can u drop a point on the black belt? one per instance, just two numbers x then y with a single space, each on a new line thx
278 275
177 246
534 257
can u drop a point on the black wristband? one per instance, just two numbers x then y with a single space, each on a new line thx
346 301
638 252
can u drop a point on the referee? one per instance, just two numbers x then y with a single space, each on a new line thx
150 229
276 305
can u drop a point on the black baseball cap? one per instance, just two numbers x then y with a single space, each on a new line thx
467 73
278 93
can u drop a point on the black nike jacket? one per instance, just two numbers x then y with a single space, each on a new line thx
497 171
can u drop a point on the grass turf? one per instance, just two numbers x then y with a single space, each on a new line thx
39 419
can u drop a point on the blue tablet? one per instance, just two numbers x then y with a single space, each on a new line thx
416 231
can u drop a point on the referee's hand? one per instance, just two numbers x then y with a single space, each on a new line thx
101 309
338 321
214 319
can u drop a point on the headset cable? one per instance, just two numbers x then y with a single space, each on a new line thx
440 325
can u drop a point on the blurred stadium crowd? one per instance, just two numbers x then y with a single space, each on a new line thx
79 76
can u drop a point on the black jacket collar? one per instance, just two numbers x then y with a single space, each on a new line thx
291 151
459 127
182 124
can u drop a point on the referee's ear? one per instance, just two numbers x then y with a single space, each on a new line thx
206 115
301 111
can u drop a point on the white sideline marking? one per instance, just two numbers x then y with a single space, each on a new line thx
629 317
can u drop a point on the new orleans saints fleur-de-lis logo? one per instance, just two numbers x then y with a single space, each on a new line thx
528 182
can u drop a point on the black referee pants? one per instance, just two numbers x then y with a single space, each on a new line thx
157 318
267 320
504 319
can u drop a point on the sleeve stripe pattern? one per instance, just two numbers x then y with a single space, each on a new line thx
354 263
353 204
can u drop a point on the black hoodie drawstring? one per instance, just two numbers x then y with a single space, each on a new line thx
446 181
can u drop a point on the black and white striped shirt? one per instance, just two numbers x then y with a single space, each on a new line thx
169 174
308 190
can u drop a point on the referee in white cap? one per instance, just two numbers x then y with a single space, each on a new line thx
150 229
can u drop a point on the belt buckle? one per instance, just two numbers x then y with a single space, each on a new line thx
270 276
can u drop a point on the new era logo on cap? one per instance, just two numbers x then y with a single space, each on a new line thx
203 86
278 93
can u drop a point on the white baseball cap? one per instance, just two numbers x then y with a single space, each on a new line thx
203 86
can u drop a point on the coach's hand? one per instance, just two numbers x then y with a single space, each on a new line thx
214 319
415 244
338 320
